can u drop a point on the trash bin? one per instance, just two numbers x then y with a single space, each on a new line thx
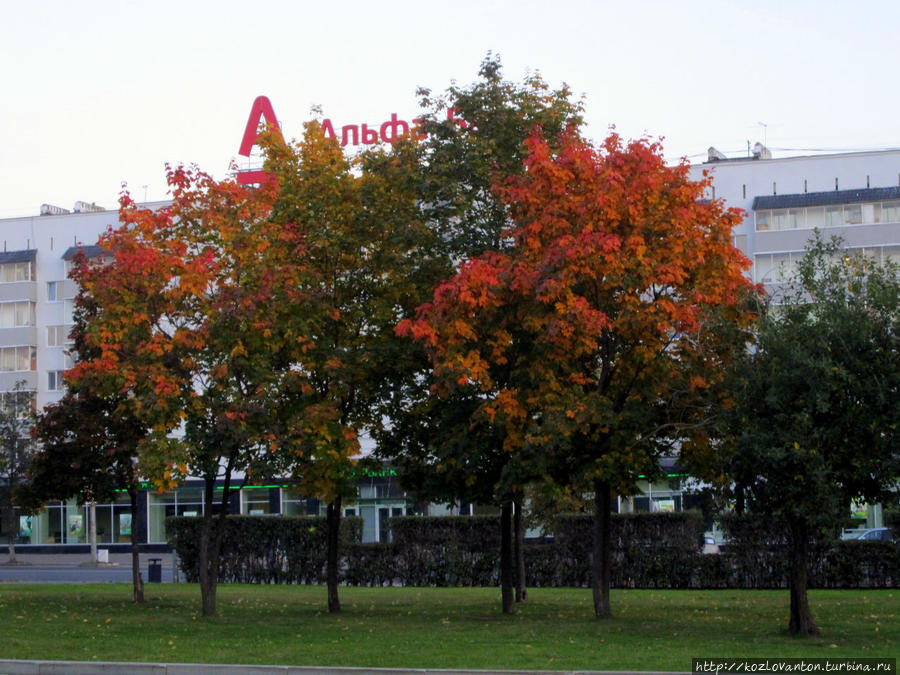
154 570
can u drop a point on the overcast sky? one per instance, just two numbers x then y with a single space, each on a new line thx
99 93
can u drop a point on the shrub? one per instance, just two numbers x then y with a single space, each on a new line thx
262 549
656 550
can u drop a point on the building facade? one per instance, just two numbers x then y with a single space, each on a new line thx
36 306
853 195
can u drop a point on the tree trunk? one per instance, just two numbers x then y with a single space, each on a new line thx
212 532
333 532
137 581
601 559
506 559
12 528
801 617
519 531
211 536
207 582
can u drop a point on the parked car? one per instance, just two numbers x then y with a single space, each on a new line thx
874 534
710 545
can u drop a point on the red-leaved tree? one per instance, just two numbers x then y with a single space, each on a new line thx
598 339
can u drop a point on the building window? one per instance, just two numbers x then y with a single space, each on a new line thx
16 314
255 501
55 380
57 336
17 358
181 502
887 212
54 291
776 268
17 271
839 215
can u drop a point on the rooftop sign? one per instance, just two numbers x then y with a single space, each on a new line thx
352 134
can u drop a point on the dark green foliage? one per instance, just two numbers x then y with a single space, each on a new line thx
649 550
467 159
858 564
892 519
442 551
817 405
758 556
372 565
659 550
263 549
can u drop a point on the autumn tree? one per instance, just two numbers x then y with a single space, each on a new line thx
360 257
603 317
90 439
816 420
180 333
16 451
448 452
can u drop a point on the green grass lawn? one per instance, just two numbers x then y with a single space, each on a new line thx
429 627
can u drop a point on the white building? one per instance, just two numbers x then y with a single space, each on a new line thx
854 195
36 305
36 296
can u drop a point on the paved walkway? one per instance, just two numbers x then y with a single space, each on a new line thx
77 568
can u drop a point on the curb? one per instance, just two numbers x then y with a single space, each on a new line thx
16 667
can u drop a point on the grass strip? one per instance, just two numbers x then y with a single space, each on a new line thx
435 627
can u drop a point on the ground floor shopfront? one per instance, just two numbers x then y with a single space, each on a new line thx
64 525
67 523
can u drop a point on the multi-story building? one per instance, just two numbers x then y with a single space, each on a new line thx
36 295
36 305
853 195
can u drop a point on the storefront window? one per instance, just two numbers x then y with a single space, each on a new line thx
294 502
255 501
186 501
114 521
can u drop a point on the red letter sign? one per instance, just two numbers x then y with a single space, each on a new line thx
261 110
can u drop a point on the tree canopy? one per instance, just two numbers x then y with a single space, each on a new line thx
817 420
17 449
594 338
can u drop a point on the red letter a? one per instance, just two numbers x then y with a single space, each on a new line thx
262 109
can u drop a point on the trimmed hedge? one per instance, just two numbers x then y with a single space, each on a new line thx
757 556
447 551
263 549
659 550
649 550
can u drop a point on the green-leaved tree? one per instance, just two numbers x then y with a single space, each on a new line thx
817 420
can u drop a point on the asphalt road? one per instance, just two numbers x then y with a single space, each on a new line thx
63 568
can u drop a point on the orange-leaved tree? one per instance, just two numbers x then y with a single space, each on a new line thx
447 449
357 251
609 318
91 439
180 333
